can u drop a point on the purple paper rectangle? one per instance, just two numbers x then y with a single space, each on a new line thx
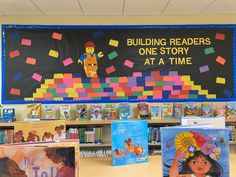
148 78
61 85
62 95
83 94
173 73
204 68
111 94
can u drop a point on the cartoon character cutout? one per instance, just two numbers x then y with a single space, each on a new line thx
89 59
199 155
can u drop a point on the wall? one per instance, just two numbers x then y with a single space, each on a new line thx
111 20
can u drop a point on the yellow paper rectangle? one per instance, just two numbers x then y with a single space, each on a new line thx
196 87
185 78
70 90
38 95
203 92
73 94
53 53
44 86
28 99
188 83
58 98
78 85
120 94
58 76
49 81
220 80
211 96
40 90
113 43
147 93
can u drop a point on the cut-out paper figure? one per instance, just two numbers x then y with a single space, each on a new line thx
89 59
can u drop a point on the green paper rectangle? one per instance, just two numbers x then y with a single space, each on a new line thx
112 55
209 50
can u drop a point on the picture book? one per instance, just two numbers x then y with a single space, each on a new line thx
143 110
110 111
39 131
167 110
8 115
221 111
34 111
177 112
191 109
195 151
40 159
207 109
231 109
65 111
82 112
96 112
155 111
49 111
129 142
124 111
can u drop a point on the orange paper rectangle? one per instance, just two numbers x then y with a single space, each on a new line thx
15 91
31 61
57 36
14 53
220 60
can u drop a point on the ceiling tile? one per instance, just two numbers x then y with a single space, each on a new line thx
186 6
18 7
222 6
59 7
102 7
146 7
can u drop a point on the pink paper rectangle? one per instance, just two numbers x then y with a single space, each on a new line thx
61 90
175 92
137 74
26 42
69 85
67 61
167 87
129 63
114 84
67 80
102 94
80 90
37 77
15 91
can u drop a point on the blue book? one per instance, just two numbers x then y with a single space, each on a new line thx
124 111
129 142
195 151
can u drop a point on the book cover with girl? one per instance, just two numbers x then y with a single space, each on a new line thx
96 112
129 142
33 111
155 111
40 159
195 152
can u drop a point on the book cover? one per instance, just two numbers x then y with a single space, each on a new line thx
65 111
110 111
8 115
143 110
49 111
124 111
195 151
167 110
39 131
96 112
207 109
155 111
33 111
177 112
231 109
221 111
82 112
38 160
129 142
191 109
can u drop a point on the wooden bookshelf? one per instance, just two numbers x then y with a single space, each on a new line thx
7 124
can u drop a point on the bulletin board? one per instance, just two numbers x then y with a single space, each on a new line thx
62 64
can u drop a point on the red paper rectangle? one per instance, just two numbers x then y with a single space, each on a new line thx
220 36
15 91
110 69
57 36
220 60
31 61
26 42
14 53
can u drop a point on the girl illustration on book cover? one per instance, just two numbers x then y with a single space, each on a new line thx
198 154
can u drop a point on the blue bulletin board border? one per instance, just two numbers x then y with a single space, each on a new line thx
12 26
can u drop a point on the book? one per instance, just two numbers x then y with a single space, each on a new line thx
195 151
65 111
33 111
49 111
40 159
221 111
110 111
231 109
129 142
207 109
191 109
96 112
39 131
178 110
155 111
167 110
124 111
8 115
82 113
142 110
